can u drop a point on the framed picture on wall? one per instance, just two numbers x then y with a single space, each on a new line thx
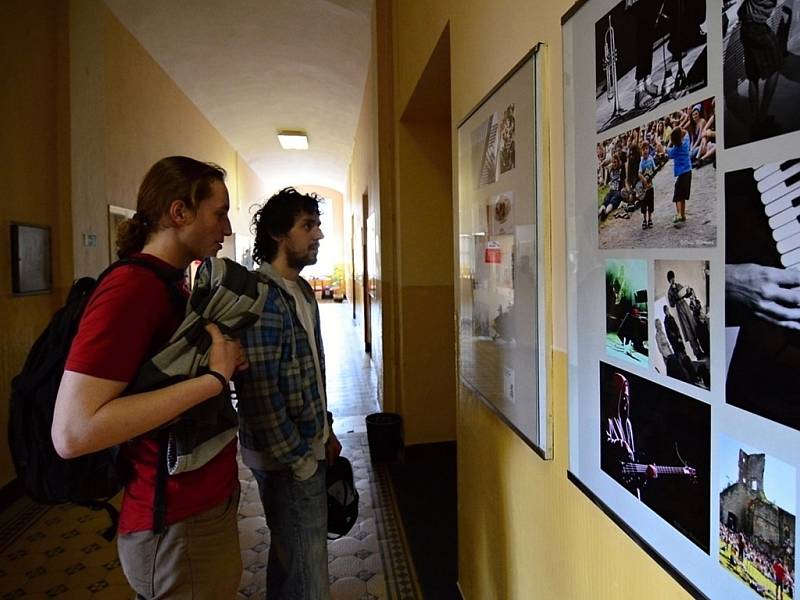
681 184
31 263
116 214
244 250
502 241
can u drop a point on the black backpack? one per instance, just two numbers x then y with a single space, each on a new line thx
90 480
342 497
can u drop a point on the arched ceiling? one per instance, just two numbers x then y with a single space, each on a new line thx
254 67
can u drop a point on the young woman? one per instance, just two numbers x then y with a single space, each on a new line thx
182 215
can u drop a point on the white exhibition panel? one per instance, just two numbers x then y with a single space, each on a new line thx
612 249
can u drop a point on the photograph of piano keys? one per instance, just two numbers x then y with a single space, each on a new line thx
629 215
484 151
757 508
647 52
762 290
494 147
656 444
761 50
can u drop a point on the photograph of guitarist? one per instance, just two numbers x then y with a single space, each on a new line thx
621 445
656 444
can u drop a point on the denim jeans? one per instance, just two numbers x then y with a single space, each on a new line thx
297 517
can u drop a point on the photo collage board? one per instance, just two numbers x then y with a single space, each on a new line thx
501 252
682 175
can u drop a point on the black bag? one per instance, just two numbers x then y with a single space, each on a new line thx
342 497
90 480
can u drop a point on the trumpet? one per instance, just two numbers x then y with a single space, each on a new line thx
610 66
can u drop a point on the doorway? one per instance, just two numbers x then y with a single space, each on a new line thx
366 279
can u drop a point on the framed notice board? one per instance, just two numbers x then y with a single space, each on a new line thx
501 237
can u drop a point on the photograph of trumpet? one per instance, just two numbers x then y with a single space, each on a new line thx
647 52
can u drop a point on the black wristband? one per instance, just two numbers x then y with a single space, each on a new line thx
219 377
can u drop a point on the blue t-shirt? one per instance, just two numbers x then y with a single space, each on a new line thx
647 168
681 163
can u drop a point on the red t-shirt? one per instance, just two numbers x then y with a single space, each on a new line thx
128 320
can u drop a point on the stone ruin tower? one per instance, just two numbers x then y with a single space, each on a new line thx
745 506
751 471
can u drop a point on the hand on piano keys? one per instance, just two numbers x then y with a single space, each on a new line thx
768 293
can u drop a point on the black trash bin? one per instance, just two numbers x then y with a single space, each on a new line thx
385 436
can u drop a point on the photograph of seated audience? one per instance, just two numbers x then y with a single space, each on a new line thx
664 172
682 321
647 52
761 72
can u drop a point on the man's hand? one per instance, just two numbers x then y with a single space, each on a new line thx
333 448
770 294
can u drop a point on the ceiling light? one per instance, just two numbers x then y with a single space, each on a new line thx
293 140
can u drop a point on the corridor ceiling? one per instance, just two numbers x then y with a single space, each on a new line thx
254 67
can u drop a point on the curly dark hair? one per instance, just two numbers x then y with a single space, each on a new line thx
277 217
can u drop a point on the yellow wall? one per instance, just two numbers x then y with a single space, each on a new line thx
33 109
425 279
127 114
414 212
251 193
364 180
524 530
89 111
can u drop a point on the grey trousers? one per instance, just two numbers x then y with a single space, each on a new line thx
198 558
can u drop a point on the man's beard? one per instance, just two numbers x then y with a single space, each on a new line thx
300 261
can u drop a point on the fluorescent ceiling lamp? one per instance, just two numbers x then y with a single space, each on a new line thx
293 140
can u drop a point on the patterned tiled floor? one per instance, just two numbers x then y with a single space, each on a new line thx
58 552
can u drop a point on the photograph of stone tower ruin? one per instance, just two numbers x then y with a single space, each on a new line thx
757 522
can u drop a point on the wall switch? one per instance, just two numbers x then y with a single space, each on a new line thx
90 240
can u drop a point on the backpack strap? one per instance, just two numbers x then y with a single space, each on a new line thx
160 496
170 279
113 514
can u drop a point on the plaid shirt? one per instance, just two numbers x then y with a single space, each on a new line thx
281 408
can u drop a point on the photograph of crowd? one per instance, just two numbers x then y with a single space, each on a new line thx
762 290
663 172
682 320
494 147
647 52
656 443
626 310
761 79
757 507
